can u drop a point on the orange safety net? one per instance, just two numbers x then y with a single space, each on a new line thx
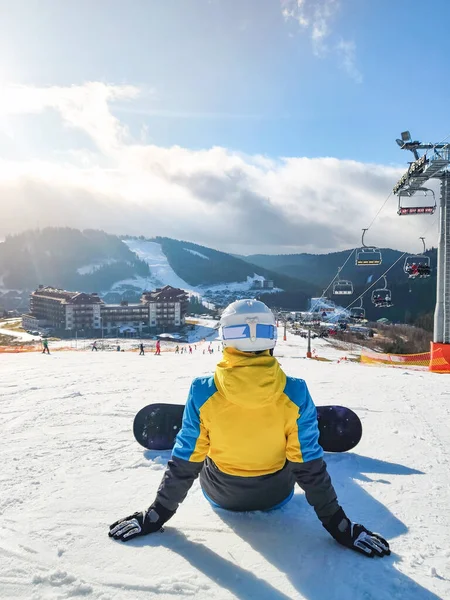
33 348
87 347
14 349
403 360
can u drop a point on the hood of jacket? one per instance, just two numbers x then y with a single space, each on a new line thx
249 380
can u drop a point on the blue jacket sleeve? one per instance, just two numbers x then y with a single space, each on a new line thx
192 442
302 444
190 449
305 454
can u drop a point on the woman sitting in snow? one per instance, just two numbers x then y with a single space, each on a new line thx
251 433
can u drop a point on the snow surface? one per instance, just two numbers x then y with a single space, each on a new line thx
195 253
162 273
91 268
70 467
21 336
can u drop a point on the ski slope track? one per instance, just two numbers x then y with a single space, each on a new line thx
70 467
162 273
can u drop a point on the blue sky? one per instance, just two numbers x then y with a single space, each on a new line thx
278 78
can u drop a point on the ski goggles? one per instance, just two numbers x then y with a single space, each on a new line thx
240 332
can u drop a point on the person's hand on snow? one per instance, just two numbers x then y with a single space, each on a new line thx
356 537
140 523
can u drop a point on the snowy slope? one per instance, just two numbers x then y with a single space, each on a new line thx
91 268
163 274
21 336
71 466
195 253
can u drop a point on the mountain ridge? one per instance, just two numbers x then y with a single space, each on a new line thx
123 266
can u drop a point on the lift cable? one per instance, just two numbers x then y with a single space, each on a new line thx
367 229
388 269
338 272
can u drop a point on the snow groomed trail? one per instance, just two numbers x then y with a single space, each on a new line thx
70 466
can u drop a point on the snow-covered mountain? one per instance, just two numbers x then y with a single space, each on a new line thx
162 273
80 260
121 268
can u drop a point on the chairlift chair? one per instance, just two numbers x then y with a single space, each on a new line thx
418 265
342 287
367 255
422 207
382 297
358 313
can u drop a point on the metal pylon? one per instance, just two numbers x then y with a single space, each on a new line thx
442 312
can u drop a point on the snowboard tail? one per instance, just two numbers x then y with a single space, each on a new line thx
156 426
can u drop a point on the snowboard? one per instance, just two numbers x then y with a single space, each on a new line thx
156 426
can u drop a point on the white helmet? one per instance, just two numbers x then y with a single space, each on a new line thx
249 326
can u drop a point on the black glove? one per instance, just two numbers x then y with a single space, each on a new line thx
356 536
140 523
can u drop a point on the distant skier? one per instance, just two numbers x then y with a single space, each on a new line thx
190 349
177 349
141 349
251 433
45 346
94 347
158 348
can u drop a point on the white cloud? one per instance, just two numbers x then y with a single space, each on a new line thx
315 17
84 107
214 196
347 52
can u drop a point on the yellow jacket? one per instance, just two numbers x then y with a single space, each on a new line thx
249 418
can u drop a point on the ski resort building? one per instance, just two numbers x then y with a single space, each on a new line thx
262 284
125 318
69 313
60 310
167 307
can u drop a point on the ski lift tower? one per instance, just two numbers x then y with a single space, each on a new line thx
424 168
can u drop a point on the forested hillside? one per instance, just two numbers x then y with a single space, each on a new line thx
199 265
92 260
88 260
